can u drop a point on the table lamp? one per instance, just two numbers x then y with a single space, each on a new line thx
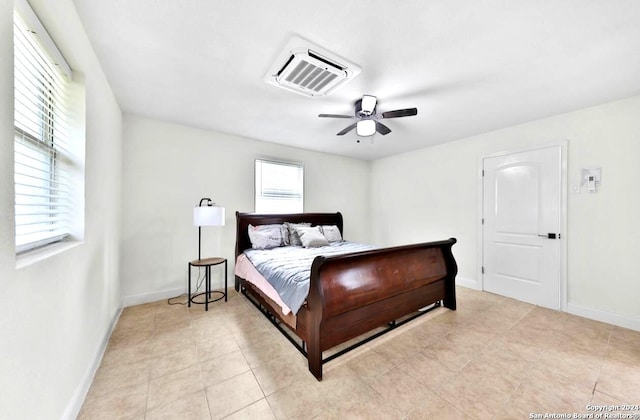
207 214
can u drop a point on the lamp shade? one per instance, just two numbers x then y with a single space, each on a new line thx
208 216
366 128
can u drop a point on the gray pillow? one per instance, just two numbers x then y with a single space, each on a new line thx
332 233
265 236
311 237
294 239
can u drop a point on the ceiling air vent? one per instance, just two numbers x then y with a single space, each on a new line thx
309 70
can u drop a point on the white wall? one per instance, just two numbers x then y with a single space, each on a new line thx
56 313
433 193
168 168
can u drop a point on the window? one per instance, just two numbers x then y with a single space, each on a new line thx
279 187
43 158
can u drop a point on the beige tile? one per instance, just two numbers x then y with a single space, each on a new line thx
576 343
625 334
232 395
131 331
494 358
259 410
536 339
123 355
624 351
341 386
400 390
209 327
453 353
368 365
427 371
489 376
566 386
173 362
123 403
372 410
598 398
174 386
246 338
302 399
512 309
172 318
479 390
264 352
527 399
169 341
222 368
215 347
582 366
196 310
456 318
138 311
473 337
115 376
620 380
278 373
435 407
398 348
544 319
190 407
428 331
587 327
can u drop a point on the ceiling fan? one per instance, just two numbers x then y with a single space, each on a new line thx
367 123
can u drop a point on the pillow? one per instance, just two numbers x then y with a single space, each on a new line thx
311 237
332 233
284 231
265 236
294 239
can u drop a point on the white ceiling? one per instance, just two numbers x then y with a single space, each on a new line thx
469 66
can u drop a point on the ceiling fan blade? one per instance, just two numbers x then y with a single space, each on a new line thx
400 113
335 116
382 129
346 130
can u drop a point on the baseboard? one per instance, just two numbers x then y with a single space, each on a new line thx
151 297
468 283
75 404
613 318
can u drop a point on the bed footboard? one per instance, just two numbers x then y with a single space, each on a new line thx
352 294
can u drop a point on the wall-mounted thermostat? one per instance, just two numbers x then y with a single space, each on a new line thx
591 179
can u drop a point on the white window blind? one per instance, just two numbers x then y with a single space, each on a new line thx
279 187
41 175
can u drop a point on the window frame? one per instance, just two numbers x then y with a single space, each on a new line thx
291 202
42 160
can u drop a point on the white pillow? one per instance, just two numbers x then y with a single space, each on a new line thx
332 233
265 236
311 237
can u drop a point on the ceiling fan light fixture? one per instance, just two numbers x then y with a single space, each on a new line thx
368 104
366 128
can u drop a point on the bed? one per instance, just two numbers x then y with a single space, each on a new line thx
355 293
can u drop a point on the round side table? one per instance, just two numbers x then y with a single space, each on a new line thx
207 263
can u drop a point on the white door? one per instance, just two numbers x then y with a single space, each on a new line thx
521 229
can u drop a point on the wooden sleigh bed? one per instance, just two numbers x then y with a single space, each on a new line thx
352 294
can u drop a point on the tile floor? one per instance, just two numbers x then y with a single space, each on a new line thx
493 358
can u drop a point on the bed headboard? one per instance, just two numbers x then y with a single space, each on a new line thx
243 220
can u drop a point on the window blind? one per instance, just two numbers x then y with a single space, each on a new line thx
279 187
41 175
